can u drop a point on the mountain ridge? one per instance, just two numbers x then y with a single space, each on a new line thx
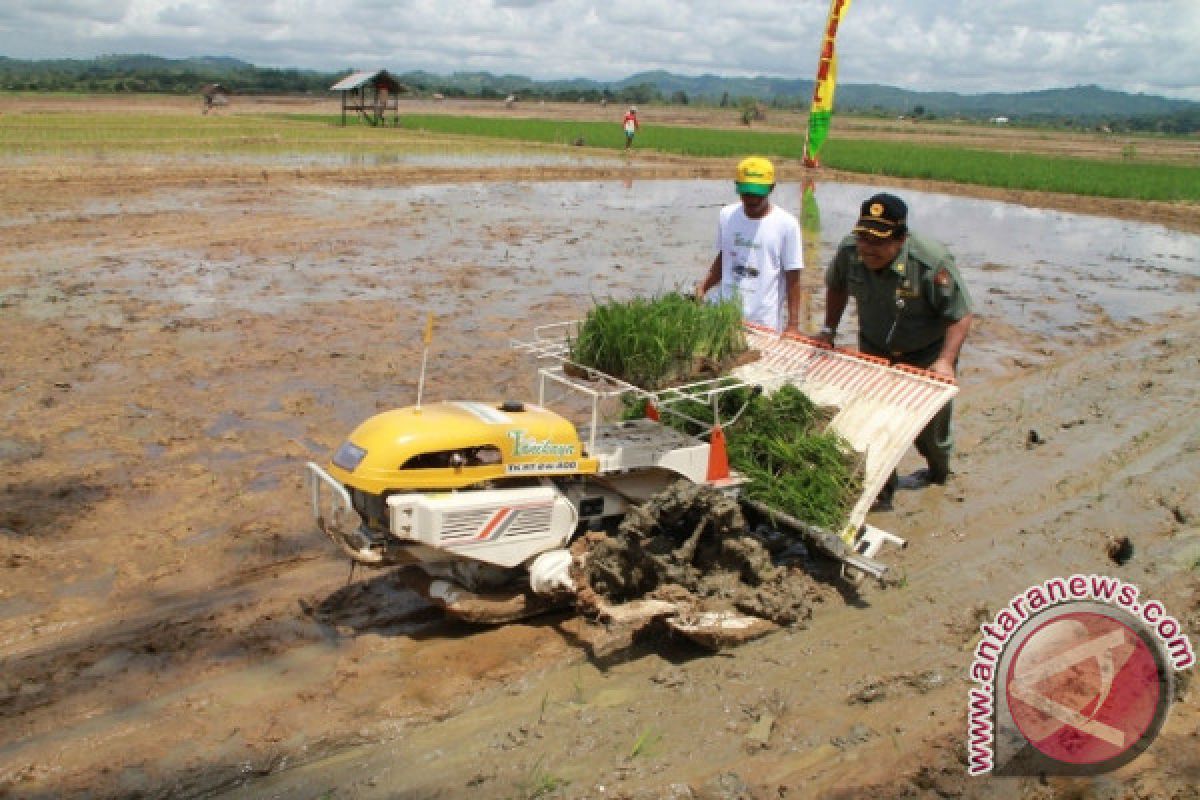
137 72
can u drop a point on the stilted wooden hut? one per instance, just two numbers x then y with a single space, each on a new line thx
214 94
372 95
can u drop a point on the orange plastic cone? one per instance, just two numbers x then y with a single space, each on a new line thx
718 458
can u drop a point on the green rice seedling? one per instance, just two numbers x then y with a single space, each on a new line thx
811 477
538 782
780 444
659 341
792 463
645 743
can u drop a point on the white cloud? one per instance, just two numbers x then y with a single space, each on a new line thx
937 45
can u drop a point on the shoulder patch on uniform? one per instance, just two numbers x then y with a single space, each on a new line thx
942 278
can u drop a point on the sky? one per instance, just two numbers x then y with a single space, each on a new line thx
967 46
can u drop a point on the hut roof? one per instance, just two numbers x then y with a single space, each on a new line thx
356 80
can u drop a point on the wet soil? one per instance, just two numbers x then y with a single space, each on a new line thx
180 338
692 546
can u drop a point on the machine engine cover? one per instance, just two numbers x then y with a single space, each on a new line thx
505 527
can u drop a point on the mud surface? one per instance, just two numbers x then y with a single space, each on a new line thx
692 546
180 337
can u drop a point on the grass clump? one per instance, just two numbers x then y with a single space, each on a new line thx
659 341
539 783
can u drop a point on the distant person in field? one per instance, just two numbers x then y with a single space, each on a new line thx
759 255
630 125
913 308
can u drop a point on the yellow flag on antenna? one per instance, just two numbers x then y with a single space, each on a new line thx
429 329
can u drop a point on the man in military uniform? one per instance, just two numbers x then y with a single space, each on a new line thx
913 308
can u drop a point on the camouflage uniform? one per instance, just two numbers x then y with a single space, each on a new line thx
903 312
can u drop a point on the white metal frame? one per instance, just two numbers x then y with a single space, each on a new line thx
785 360
550 343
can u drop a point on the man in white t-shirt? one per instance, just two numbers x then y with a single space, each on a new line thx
758 252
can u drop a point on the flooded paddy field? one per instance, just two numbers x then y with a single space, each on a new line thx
180 337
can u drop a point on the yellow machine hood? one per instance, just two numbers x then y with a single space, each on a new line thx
455 444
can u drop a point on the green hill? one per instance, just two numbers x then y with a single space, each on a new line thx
1089 105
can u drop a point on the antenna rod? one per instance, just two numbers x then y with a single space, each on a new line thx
424 357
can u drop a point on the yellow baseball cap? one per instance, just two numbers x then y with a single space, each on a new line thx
755 175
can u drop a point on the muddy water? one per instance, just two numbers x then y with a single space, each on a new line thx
442 157
172 359
600 238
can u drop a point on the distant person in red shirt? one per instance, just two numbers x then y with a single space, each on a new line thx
630 126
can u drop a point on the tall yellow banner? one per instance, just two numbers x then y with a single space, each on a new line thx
821 112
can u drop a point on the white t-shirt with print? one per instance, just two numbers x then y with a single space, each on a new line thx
755 253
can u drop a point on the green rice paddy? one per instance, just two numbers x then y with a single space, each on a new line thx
1134 180
282 133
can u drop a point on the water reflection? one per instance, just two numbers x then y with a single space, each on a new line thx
1039 278
525 249
415 157
814 256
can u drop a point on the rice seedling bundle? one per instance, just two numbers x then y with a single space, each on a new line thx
779 441
792 462
781 444
659 341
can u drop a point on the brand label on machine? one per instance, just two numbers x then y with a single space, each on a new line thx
531 446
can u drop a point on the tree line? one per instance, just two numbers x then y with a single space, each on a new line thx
117 74
154 75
